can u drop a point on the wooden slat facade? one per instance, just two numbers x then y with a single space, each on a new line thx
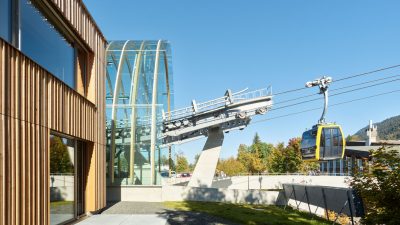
34 103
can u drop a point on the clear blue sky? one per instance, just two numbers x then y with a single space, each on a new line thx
220 44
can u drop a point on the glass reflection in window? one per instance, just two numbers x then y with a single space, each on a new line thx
5 20
62 179
45 45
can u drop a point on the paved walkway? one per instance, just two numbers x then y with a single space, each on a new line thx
123 219
145 213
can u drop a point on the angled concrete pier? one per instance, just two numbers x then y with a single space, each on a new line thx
205 168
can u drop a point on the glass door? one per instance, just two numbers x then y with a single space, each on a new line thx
62 179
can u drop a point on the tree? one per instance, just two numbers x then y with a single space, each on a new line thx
276 162
379 187
260 148
285 159
256 139
231 166
242 155
164 160
193 165
251 160
353 138
182 164
307 166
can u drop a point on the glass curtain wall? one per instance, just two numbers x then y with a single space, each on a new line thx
139 89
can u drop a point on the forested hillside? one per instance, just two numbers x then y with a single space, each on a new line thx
388 129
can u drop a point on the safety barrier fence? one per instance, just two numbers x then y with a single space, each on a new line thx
339 200
291 174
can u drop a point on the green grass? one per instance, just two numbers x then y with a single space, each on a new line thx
59 203
249 214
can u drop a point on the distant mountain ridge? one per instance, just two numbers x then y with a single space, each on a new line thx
389 129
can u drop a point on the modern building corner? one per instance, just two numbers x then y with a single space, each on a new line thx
52 112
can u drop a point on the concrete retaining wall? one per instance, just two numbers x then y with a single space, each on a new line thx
240 189
181 193
275 182
134 193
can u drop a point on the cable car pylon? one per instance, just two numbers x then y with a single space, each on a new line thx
324 141
212 119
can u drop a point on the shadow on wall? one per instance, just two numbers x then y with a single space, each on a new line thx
60 194
203 193
222 183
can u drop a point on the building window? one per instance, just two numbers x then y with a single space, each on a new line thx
62 179
42 42
5 20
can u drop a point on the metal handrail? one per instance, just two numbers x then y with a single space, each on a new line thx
218 102
293 174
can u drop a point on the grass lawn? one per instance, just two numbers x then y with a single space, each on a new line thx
59 203
249 214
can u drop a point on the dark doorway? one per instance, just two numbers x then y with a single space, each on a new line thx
80 177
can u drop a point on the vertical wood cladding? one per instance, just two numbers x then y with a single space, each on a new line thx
33 103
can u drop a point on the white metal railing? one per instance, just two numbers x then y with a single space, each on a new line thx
218 102
252 94
310 173
237 97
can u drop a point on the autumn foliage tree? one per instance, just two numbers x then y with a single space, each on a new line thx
182 164
251 160
380 187
264 157
231 166
285 159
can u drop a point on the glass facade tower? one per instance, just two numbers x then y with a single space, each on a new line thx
138 91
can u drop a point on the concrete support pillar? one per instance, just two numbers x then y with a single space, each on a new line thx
205 168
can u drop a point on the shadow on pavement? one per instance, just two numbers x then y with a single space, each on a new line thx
192 218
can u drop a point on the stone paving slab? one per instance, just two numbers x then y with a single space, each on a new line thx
123 219
149 213
134 208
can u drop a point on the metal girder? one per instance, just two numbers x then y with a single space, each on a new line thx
232 112
134 90
122 84
154 115
113 115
